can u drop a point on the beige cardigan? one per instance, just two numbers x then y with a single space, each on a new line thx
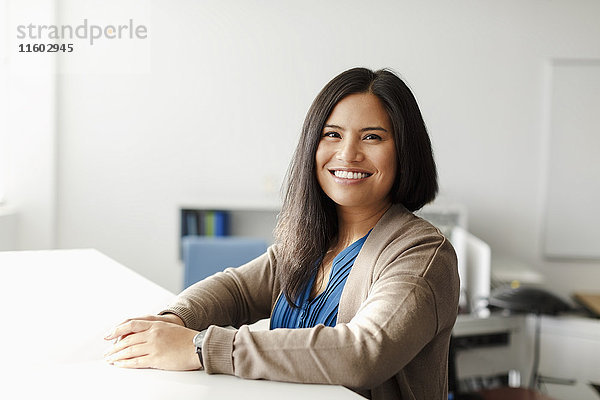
393 328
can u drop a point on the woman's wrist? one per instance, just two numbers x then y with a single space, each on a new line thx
173 318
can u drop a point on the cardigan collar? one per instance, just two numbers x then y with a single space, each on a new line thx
360 278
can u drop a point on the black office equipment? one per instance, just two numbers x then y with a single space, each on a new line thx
529 300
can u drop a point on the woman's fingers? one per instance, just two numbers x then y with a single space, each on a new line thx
138 362
130 352
172 318
127 328
149 317
124 322
155 344
125 342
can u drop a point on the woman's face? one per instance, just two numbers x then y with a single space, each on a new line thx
356 156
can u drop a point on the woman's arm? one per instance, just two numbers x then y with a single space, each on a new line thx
234 297
401 316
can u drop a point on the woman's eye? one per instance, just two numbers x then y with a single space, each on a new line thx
331 134
372 136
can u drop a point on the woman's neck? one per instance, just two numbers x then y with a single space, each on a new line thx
354 223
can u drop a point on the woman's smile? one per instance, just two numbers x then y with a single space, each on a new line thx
349 176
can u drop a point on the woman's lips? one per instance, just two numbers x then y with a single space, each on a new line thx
350 175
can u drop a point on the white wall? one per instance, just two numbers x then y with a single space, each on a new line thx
208 108
30 134
3 98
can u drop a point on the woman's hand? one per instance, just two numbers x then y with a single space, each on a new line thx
153 342
169 317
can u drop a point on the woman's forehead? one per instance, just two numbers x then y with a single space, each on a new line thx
357 111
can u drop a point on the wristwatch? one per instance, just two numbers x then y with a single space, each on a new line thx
198 342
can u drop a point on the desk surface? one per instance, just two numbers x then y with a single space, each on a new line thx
58 305
513 394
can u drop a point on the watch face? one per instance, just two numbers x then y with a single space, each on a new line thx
199 338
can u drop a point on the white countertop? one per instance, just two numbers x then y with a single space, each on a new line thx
57 306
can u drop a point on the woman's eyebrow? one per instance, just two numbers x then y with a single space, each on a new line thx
373 128
368 128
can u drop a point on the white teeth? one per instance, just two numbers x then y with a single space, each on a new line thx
350 175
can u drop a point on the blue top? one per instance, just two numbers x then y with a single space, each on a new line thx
323 309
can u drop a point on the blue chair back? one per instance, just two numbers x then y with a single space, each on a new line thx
205 256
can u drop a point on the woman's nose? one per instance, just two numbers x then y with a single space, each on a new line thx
349 151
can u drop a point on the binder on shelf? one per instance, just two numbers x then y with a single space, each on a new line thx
200 215
204 223
221 221
197 222
191 223
209 223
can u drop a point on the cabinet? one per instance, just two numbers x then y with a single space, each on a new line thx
569 349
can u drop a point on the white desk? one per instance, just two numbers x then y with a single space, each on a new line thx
57 306
579 391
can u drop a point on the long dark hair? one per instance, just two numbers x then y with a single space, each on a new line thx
307 225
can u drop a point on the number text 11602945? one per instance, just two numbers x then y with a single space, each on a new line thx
45 48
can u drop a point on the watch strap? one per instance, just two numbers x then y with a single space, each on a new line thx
199 352
199 343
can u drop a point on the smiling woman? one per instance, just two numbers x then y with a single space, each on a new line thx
357 149
360 292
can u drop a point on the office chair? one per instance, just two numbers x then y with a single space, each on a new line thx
205 256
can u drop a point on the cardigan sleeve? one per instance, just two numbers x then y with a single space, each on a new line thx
399 317
234 297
